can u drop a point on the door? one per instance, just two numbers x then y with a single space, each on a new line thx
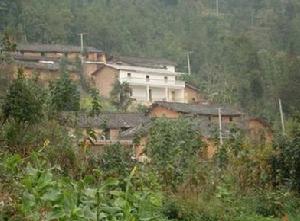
150 95
173 95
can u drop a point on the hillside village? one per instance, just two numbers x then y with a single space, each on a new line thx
149 110
152 82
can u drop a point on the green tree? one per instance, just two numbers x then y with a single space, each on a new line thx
120 96
64 95
24 101
96 102
173 147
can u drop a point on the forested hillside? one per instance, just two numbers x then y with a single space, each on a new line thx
59 163
243 52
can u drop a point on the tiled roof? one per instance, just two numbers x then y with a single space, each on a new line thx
204 126
192 87
54 48
145 62
197 109
110 120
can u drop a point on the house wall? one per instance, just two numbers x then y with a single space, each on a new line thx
89 69
91 56
73 56
45 76
163 112
32 54
192 96
158 94
225 119
139 93
104 80
114 134
142 76
170 68
258 132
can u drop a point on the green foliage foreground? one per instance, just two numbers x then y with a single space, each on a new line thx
110 186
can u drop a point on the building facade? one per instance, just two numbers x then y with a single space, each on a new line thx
45 59
149 80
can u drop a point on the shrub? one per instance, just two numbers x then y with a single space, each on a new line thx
173 146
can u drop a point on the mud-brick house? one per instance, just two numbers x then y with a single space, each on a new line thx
203 111
46 72
150 80
46 58
204 118
257 129
107 126
193 94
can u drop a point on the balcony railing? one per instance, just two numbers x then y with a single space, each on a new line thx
153 82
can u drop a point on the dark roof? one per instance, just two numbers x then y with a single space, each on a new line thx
192 87
43 66
54 48
197 109
144 62
110 120
205 127
140 130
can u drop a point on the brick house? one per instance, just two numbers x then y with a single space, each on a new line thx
150 80
193 94
201 110
44 60
107 126
204 119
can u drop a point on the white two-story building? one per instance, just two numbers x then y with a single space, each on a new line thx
150 80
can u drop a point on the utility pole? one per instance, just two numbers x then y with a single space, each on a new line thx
189 63
81 42
282 117
217 7
220 126
82 47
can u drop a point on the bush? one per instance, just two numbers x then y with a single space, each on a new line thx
116 161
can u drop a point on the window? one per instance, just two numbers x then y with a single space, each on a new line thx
147 78
129 75
43 54
230 119
166 79
209 118
194 100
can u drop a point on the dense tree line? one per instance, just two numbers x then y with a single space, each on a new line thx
246 54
